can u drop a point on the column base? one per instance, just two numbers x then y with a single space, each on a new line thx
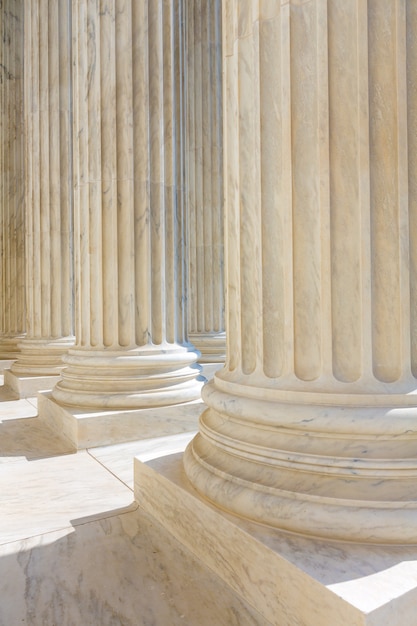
88 428
342 468
5 364
288 579
27 386
139 378
41 357
9 348
212 346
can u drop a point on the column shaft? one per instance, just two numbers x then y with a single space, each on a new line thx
48 218
12 310
311 425
131 348
205 179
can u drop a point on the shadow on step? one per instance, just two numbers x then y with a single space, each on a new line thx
122 569
28 437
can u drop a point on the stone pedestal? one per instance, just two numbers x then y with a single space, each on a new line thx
89 428
48 199
131 348
204 179
5 364
289 579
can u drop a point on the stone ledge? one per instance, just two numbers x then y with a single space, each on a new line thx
28 386
5 364
290 580
97 427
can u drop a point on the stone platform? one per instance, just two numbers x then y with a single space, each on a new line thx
81 545
291 580
28 386
75 548
86 428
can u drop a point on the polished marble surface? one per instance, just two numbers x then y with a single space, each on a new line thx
118 571
118 458
75 550
48 494
291 579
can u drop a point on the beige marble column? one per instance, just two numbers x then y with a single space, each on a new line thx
131 349
48 197
204 164
312 424
12 304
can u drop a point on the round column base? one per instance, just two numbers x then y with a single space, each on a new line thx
9 347
212 346
282 465
41 357
129 379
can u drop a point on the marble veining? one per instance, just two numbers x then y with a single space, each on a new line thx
46 494
290 578
124 570
75 549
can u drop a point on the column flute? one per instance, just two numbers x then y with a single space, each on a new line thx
48 197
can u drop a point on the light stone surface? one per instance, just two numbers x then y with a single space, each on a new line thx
73 487
75 549
312 424
291 580
84 428
5 364
118 458
204 178
120 570
25 438
27 386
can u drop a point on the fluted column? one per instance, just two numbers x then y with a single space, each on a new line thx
131 349
48 189
312 423
12 305
204 165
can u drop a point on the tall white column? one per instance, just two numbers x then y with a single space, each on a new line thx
204 164
12 306
48 191
312 423
131 349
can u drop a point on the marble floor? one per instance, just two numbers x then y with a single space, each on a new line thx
75 549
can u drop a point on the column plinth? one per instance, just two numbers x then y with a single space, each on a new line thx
312 423
211 345
41 357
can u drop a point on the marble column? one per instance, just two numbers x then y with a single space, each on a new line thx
312 424
204 179
131 349
12 306
48 197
